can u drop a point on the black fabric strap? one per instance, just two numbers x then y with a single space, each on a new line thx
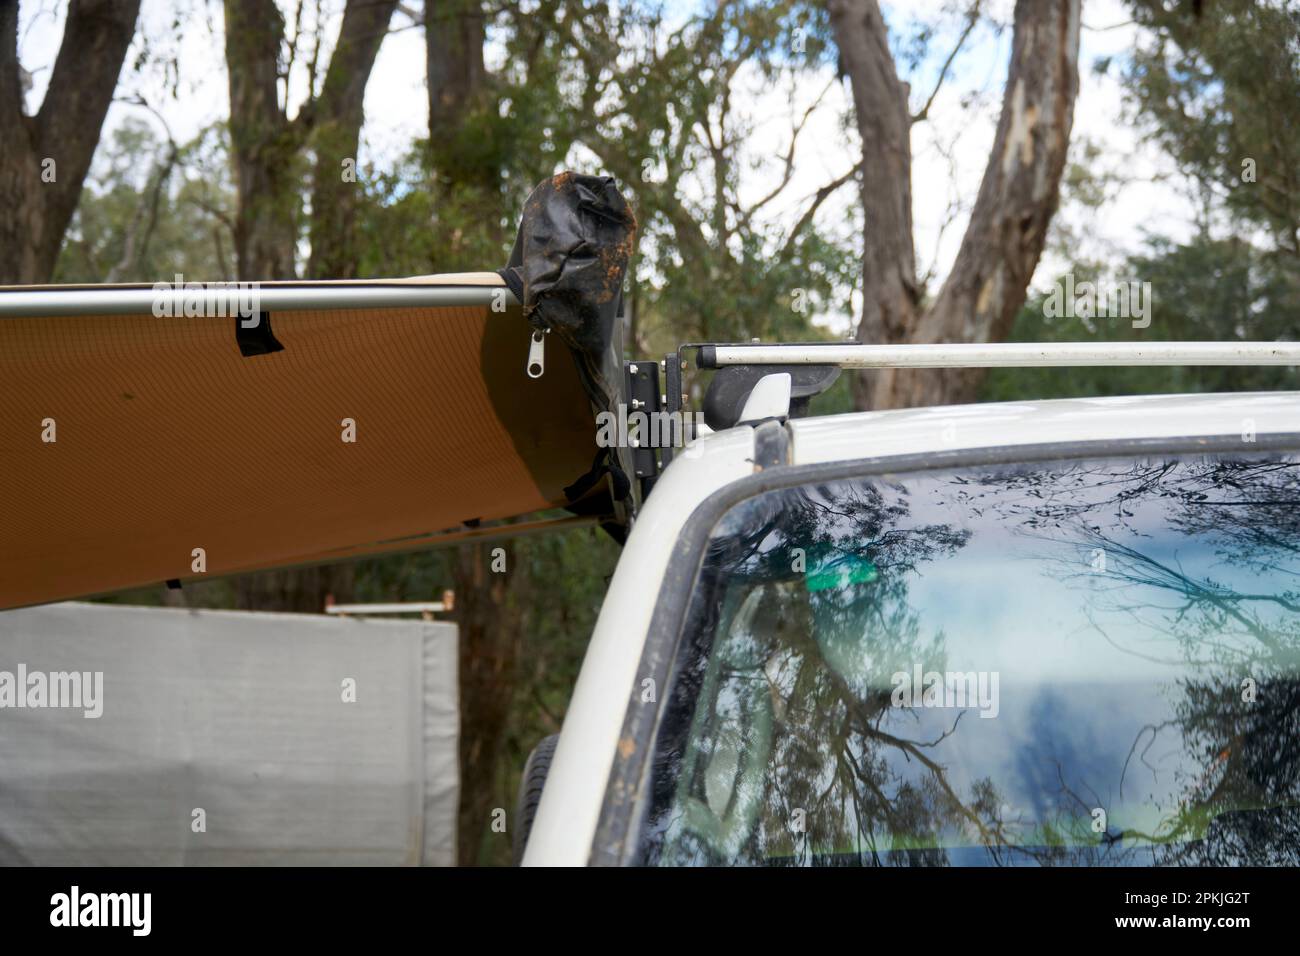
602 465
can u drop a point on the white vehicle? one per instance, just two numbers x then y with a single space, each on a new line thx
740 700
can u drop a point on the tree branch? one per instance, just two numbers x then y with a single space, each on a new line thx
972 18
819 197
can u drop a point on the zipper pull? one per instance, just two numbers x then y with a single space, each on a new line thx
537 354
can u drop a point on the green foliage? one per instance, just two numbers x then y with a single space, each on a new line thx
146 214
1218 84
1211 290
408 230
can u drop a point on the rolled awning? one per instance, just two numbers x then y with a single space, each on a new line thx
354 418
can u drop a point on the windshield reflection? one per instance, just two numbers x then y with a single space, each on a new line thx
1135 619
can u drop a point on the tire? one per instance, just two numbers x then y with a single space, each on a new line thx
530 792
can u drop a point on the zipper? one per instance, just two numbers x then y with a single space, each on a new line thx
537 353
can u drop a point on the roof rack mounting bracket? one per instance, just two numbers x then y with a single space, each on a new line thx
726 400
645 402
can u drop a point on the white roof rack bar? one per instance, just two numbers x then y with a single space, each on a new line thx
1005 354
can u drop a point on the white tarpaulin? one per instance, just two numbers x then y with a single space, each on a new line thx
225 737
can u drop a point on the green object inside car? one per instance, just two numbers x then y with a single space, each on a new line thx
839 571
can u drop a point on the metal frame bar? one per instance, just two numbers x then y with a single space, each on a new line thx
1005 354
498 531
414 607
226 299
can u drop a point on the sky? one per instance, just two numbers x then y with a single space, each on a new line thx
949 150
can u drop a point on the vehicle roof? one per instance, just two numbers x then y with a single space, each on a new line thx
941 428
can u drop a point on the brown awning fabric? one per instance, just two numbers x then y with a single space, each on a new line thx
168 439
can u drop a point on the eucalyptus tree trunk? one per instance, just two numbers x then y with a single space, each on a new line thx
1008 225
270 157
44 158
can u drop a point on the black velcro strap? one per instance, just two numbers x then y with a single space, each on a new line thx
513 282
257 339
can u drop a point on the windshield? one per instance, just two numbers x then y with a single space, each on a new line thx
1083 662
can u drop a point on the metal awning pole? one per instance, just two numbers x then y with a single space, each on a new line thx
229 298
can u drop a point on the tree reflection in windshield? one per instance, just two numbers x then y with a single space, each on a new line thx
1134 621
